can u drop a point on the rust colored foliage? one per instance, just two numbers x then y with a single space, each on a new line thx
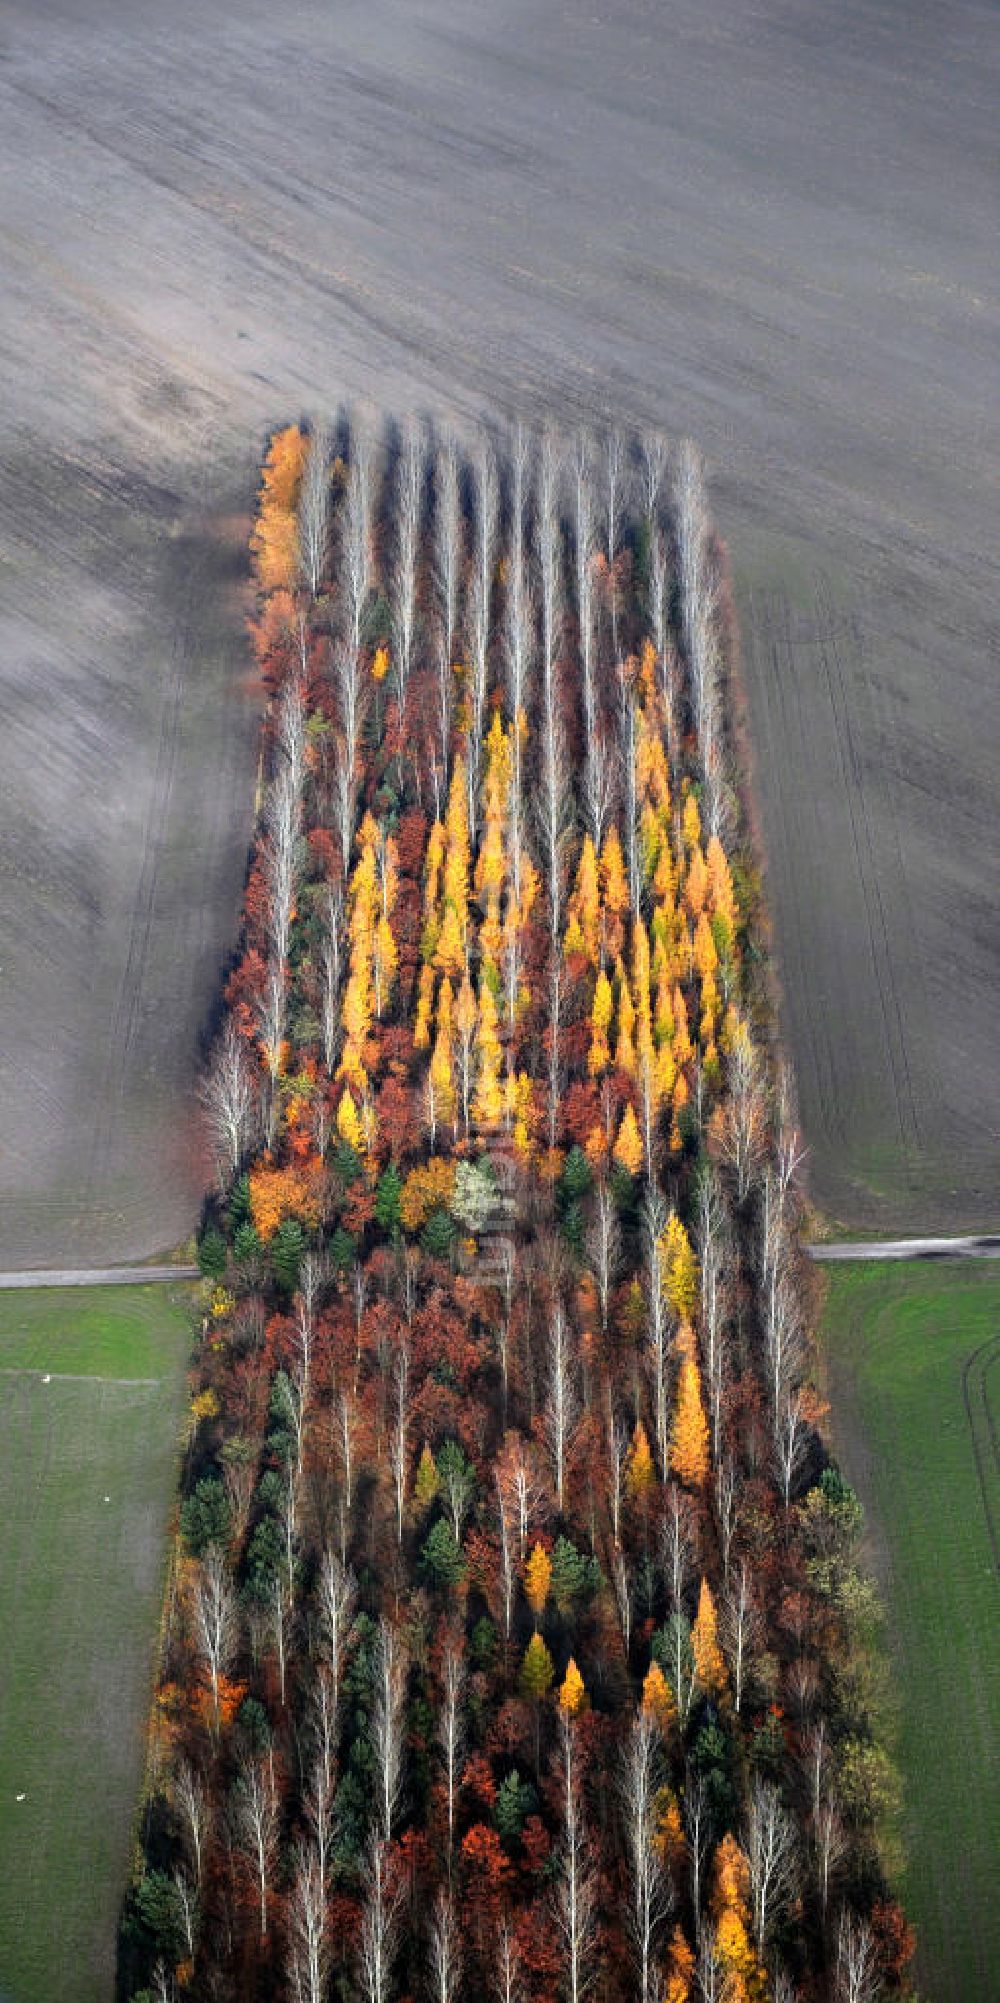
277 1193
501 1541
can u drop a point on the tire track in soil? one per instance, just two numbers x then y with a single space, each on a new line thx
852 769
822 1042
121 1035
984 1432
923 1036
762 647
785 644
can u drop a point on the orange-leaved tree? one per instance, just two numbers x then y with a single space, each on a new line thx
573 1691
689 1456
710 1667
275 540
277 1193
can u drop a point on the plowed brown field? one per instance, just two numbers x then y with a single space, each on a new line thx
770 226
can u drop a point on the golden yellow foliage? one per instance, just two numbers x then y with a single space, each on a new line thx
679 1276
349 1125
537 1579
710 1667
691 822
721 895
433 858
385 959
204 1406
573 1691
640 1472
520 1109
625 1048
669 1837
666 1072
449 955
680 1969
491 865
681 1044
696 884
426 1481
488 1100
600 1022
689 1454
274 543
425 1005
665 875
277 1193
706 957
430 1187
584 930
628 1149
614 882
730 1886
658 1699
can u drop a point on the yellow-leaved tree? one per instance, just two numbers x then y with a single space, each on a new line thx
691 822
680 1969
537 1670
425 1008
349 1125
628 1149
678 1269
689 1455
426 1481
658 1699
520 1108
721 895
488 1104
600 1022
614 884
729 1903
709 1663
583 932
573 1691
429 1187
625 1047
640 1472
537 1579
696 883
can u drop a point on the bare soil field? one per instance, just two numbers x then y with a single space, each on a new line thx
771 226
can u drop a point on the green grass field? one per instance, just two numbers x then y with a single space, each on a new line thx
914 1362
80 1582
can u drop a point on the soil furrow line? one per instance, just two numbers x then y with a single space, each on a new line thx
985 1350
850 769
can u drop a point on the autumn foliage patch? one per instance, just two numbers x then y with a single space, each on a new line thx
516 1641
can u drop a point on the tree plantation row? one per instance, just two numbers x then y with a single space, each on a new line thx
515 1645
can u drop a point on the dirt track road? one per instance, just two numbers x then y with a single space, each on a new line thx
986 1247
885 1248
103 1276
772 227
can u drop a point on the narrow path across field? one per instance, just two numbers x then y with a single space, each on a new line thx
102 1276
986 1246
